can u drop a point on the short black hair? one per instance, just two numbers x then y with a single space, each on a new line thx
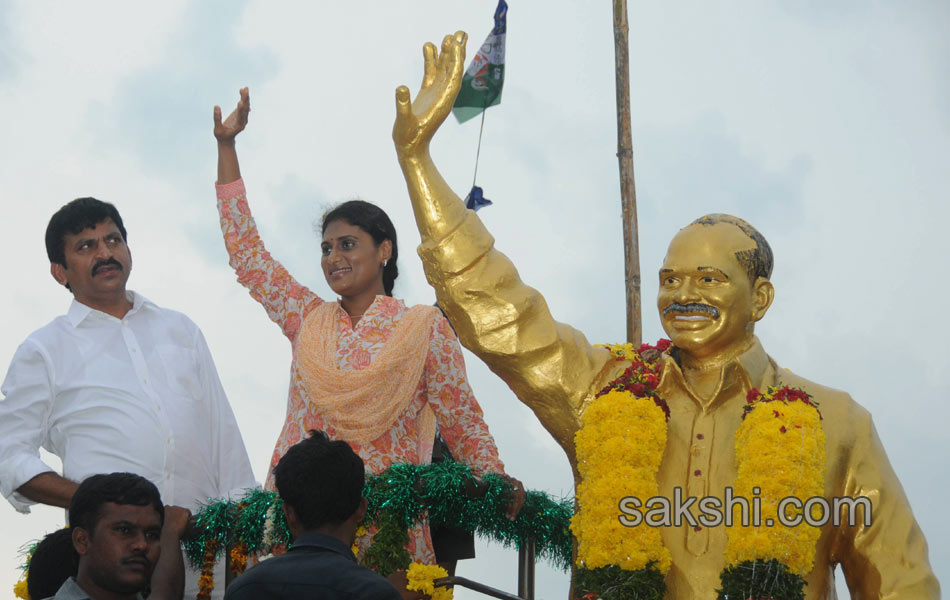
80 214
54 561
758 261
85 508
322 480
374 221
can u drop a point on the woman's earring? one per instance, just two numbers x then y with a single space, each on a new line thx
385 262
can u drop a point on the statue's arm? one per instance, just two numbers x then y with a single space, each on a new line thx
888 557
550 366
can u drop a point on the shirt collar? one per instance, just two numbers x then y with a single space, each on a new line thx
326 542
747 370
70 590
79 312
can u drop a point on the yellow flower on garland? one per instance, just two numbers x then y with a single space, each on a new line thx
355 548
20 590
421 577
622 351
619 449
780 450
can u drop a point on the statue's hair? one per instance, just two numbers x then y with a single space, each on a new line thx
758 261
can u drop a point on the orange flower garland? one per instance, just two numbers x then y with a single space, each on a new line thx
206 581
239 558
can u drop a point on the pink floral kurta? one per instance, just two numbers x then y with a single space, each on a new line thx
443 385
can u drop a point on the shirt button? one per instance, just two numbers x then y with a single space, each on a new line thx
158 407
133 350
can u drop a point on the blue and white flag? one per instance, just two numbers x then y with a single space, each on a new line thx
485 75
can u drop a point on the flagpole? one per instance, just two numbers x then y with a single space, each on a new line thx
628 194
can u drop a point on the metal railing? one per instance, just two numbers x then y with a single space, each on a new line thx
526 561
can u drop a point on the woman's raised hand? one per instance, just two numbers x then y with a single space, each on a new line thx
225 131
418 120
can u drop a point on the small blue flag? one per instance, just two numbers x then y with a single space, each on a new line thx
476 200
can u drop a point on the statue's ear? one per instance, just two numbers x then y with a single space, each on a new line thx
763 292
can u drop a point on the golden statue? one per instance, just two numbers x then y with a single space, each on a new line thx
714 287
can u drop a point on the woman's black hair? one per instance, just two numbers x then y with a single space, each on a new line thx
374 221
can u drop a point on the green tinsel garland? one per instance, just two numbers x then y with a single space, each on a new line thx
446 492
613 583
759 580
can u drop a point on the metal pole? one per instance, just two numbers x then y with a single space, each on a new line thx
628 194
526 560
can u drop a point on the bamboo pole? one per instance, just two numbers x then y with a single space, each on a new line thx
628 193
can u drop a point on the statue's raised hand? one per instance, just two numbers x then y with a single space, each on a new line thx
417 120
226 130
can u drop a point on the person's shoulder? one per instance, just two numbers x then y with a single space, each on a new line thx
435 316
262 572
49 338
175 323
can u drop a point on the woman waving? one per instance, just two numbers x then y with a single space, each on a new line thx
366 369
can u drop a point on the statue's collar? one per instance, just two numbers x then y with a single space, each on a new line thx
746 371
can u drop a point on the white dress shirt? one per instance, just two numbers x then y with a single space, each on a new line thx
137 394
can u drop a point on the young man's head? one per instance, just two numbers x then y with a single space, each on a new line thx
116 522
87 250
54 561
321 484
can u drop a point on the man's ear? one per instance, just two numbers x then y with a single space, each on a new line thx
80 540
360 512
58 272
763 292
293 521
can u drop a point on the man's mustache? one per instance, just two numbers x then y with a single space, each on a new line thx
138 559
106 263
692 308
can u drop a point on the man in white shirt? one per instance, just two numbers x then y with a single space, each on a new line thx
116 384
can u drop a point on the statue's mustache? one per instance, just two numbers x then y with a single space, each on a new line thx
692 308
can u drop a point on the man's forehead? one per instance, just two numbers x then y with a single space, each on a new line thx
113 512
103 227
715 246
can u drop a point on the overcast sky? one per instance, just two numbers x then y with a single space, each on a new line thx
826 125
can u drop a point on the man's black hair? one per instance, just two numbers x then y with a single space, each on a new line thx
374 221
85 508
53 562
322 480
758 261
80 214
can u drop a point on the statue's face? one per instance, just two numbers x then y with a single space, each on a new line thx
707 304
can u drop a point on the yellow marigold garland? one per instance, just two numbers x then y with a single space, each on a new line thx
20 589
619 449
421 577
780 452
355 548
